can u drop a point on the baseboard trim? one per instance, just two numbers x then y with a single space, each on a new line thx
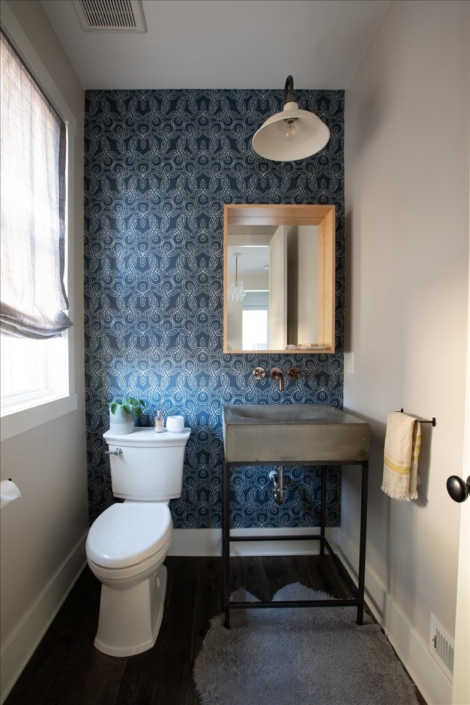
208 542
433 685
22 643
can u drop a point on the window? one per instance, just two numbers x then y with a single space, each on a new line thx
32 371
255 322
255 329
33 319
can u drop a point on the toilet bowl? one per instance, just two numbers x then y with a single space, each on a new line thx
125 548
128 542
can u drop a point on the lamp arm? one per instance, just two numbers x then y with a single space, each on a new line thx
289 93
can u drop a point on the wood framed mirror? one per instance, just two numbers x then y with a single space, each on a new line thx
279 278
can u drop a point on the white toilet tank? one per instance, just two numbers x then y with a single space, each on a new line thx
147 466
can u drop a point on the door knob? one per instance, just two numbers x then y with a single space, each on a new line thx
457 488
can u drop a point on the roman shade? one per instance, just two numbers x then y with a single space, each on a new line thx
33 192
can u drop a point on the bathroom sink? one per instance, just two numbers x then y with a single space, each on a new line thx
293 433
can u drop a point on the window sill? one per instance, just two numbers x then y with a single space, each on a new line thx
15 421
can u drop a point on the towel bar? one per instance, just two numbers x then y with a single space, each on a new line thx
433 421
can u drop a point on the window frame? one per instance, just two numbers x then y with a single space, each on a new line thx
19 418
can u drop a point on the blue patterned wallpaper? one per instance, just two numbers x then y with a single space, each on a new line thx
159 166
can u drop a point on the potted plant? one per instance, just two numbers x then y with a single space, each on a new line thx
122 415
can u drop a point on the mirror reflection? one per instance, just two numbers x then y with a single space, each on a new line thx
275 280
272 293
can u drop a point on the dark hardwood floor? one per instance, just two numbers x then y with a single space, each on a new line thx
66 669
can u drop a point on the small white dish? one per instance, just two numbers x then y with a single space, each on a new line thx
175 424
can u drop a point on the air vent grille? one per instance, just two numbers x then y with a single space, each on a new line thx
441 646
111 15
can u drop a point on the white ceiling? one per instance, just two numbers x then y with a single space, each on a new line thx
252 260
223 44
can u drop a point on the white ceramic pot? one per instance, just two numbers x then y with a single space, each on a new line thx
121 423
175 424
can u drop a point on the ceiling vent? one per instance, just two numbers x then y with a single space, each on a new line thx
111 15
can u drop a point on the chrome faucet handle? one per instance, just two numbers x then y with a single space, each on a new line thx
118 451
259 373
293 373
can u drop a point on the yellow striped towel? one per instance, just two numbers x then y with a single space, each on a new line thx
402 444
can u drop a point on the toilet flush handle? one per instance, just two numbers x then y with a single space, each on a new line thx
118 451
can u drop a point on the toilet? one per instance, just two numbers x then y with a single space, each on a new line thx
128 542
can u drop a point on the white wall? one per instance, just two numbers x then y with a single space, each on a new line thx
42 546
407 191
234 325
307 285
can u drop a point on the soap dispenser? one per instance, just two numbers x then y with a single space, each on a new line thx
159 423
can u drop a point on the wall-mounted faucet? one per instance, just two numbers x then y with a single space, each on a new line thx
277 477
277 373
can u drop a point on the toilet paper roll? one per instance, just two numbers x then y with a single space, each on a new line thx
175 424
8 492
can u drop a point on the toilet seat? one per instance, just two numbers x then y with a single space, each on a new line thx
125 576
128 534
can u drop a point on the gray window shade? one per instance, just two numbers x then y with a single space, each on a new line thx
33 153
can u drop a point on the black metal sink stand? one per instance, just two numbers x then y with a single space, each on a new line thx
358 591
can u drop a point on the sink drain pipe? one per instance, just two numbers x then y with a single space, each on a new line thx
277 476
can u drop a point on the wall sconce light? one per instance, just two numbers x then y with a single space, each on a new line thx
291 134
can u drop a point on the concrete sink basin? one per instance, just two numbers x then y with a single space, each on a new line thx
293 433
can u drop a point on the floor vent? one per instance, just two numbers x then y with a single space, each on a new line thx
441 646
111 15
